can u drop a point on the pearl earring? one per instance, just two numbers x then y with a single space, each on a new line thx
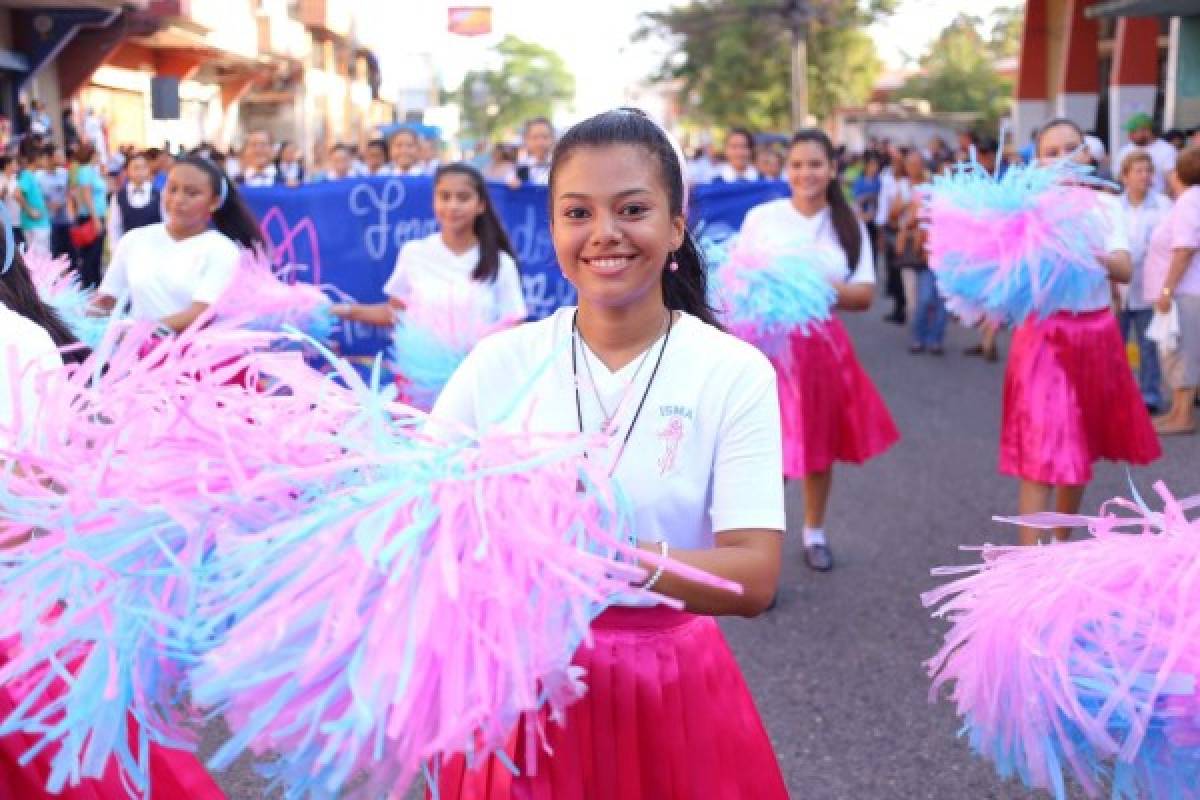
674 265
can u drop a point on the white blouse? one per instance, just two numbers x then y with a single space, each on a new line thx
779 227
705 454
26 352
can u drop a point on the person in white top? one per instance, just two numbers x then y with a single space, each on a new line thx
1069 395
831 410
533 164
174 270
404 154
739 158
256 168
1140 128
341 164
466 267
137 204
686 419
1144 210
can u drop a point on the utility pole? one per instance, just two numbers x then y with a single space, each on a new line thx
797 13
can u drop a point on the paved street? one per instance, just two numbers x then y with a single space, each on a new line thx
837 667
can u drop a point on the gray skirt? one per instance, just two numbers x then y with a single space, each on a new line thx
1181 368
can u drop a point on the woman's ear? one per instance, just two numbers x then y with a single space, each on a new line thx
678 231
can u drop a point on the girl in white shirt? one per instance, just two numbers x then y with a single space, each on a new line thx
690 418
174 270
1069 396
831 411
739 158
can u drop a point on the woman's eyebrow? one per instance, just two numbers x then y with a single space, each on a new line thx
618 195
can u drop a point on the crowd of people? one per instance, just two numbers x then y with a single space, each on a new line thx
703 467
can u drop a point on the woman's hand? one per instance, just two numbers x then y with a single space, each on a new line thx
1163 304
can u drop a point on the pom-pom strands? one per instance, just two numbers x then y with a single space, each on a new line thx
58 286
1083 658
418 610
1027 243
261 299
763 295
133 457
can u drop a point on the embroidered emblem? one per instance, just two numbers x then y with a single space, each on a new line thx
670 435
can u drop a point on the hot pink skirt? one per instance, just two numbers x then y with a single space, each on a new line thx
1070 399
830 408
667 716
173 773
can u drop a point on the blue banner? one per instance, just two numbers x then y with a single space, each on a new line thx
348 233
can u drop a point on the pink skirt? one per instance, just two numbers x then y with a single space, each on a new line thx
173 773
667 716
1070 399
830 409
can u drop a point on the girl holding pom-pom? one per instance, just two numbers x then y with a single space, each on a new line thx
1069 396
831 410
686 418
469 256
174 270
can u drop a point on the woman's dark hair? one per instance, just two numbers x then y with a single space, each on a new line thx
233 218
18 294
684 289
845 221
745 134
1057 122
488 229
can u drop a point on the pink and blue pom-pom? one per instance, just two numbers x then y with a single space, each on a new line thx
264 298
1082 660
58 286
1027 243
763 295
425 360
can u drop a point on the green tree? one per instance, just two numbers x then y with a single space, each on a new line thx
733 58
529 81
959 72
1007 24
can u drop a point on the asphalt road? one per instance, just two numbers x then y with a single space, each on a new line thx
836 668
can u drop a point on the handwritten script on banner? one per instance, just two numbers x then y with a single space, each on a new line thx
348 233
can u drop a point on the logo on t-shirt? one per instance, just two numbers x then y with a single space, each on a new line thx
671 435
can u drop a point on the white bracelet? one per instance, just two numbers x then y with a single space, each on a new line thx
664 549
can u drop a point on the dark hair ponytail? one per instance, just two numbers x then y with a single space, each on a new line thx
845 221
233 217
493 239
18 293
685 288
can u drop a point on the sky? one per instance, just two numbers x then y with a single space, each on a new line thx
592 36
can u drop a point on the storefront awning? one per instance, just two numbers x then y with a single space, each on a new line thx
1143 8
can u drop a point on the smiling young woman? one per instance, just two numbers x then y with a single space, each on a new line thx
690 422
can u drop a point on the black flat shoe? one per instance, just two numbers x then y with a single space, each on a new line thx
818 557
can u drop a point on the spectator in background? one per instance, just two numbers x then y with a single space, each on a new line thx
769 163
700 167
160 164
39 120
233 162
35 214
1141 138
893 162
1173 279
70 132
93 132
257 166
427 153
289 164
1176 138
138 203
341 164
533 164
502 166
404 153
987 151
1144 210
375 157
5 135
55 182
89 191
739 158
10 193
865 191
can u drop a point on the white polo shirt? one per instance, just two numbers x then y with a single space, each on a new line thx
705 454
162 276
779 227
26 351
431 279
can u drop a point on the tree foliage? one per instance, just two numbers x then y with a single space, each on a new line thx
529 81
732 58
959 71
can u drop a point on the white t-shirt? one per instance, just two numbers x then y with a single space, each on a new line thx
1162 153
779 227
429 277
728 174
162 276
1117 239
1140 222
706 453
887 188
26 351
